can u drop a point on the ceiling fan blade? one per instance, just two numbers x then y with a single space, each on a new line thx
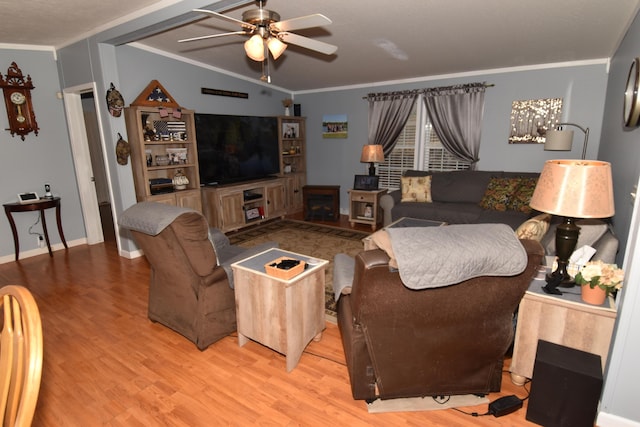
322 47
228 18
309 21
210 36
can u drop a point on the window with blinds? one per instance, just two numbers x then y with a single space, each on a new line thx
436 157
417 150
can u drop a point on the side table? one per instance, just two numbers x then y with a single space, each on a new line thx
282 314
560 319
40 205
364 207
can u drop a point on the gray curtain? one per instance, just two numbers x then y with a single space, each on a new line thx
388 113
456 115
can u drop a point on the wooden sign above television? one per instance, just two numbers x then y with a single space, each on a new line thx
220 92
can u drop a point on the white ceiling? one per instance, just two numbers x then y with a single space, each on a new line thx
423 37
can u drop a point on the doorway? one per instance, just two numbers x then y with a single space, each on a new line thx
92 173
98 165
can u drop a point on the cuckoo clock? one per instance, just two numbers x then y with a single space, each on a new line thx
17 98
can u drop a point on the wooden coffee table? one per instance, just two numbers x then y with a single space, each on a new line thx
284 315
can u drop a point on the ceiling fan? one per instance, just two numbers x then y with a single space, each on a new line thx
269 34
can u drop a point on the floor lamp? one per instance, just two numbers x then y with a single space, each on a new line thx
572 189
561 140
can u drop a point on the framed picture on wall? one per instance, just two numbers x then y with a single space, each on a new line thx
334 126
531 118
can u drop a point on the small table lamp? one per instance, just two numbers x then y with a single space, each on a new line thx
372 154
572 189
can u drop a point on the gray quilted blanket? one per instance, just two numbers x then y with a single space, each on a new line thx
431 257
150 217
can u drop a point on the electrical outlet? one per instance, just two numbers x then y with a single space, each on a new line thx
40 241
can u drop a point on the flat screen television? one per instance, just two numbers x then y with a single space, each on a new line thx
236 148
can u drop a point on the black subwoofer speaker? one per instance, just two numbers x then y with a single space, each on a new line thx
565 388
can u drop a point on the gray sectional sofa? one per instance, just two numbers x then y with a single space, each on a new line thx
456 199
459 197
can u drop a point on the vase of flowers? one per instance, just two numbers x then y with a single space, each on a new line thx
598 280
287 103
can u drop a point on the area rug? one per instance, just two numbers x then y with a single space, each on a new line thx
320 241
413 404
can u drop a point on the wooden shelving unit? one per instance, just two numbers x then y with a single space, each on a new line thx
231 207
292 142
162 147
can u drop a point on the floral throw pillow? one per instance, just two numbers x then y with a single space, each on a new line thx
521 198
498 194
416 189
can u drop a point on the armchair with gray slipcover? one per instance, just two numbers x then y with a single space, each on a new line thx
428 341
190 290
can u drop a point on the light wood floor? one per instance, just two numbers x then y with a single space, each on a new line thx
105 363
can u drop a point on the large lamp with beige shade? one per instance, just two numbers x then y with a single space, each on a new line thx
372 154
572 189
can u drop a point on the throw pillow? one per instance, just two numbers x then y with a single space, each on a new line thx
534 228
416 189
383 241
498 194
521 198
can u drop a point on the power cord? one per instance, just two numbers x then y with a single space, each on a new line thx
501 406
31 232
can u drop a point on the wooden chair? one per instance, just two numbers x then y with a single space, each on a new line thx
20 356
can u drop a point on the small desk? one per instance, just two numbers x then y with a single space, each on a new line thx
284 315
40 205
560 319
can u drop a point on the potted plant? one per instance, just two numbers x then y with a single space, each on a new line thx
598 280
287 103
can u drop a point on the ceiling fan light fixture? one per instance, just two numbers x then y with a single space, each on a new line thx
254 47
276 47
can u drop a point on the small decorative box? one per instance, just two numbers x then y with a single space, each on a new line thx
284 268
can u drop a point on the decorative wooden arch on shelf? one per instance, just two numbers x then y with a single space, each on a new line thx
155 95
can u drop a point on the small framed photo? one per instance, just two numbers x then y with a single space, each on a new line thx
368 211
177 156
252 213
290 130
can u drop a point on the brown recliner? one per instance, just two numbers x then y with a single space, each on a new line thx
443 341
189 289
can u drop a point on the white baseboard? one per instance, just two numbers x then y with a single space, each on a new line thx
610 420
131 254
39 251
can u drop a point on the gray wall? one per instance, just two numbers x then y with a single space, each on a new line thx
28 164
621 147
335 161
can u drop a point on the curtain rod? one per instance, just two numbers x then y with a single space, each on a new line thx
419 91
